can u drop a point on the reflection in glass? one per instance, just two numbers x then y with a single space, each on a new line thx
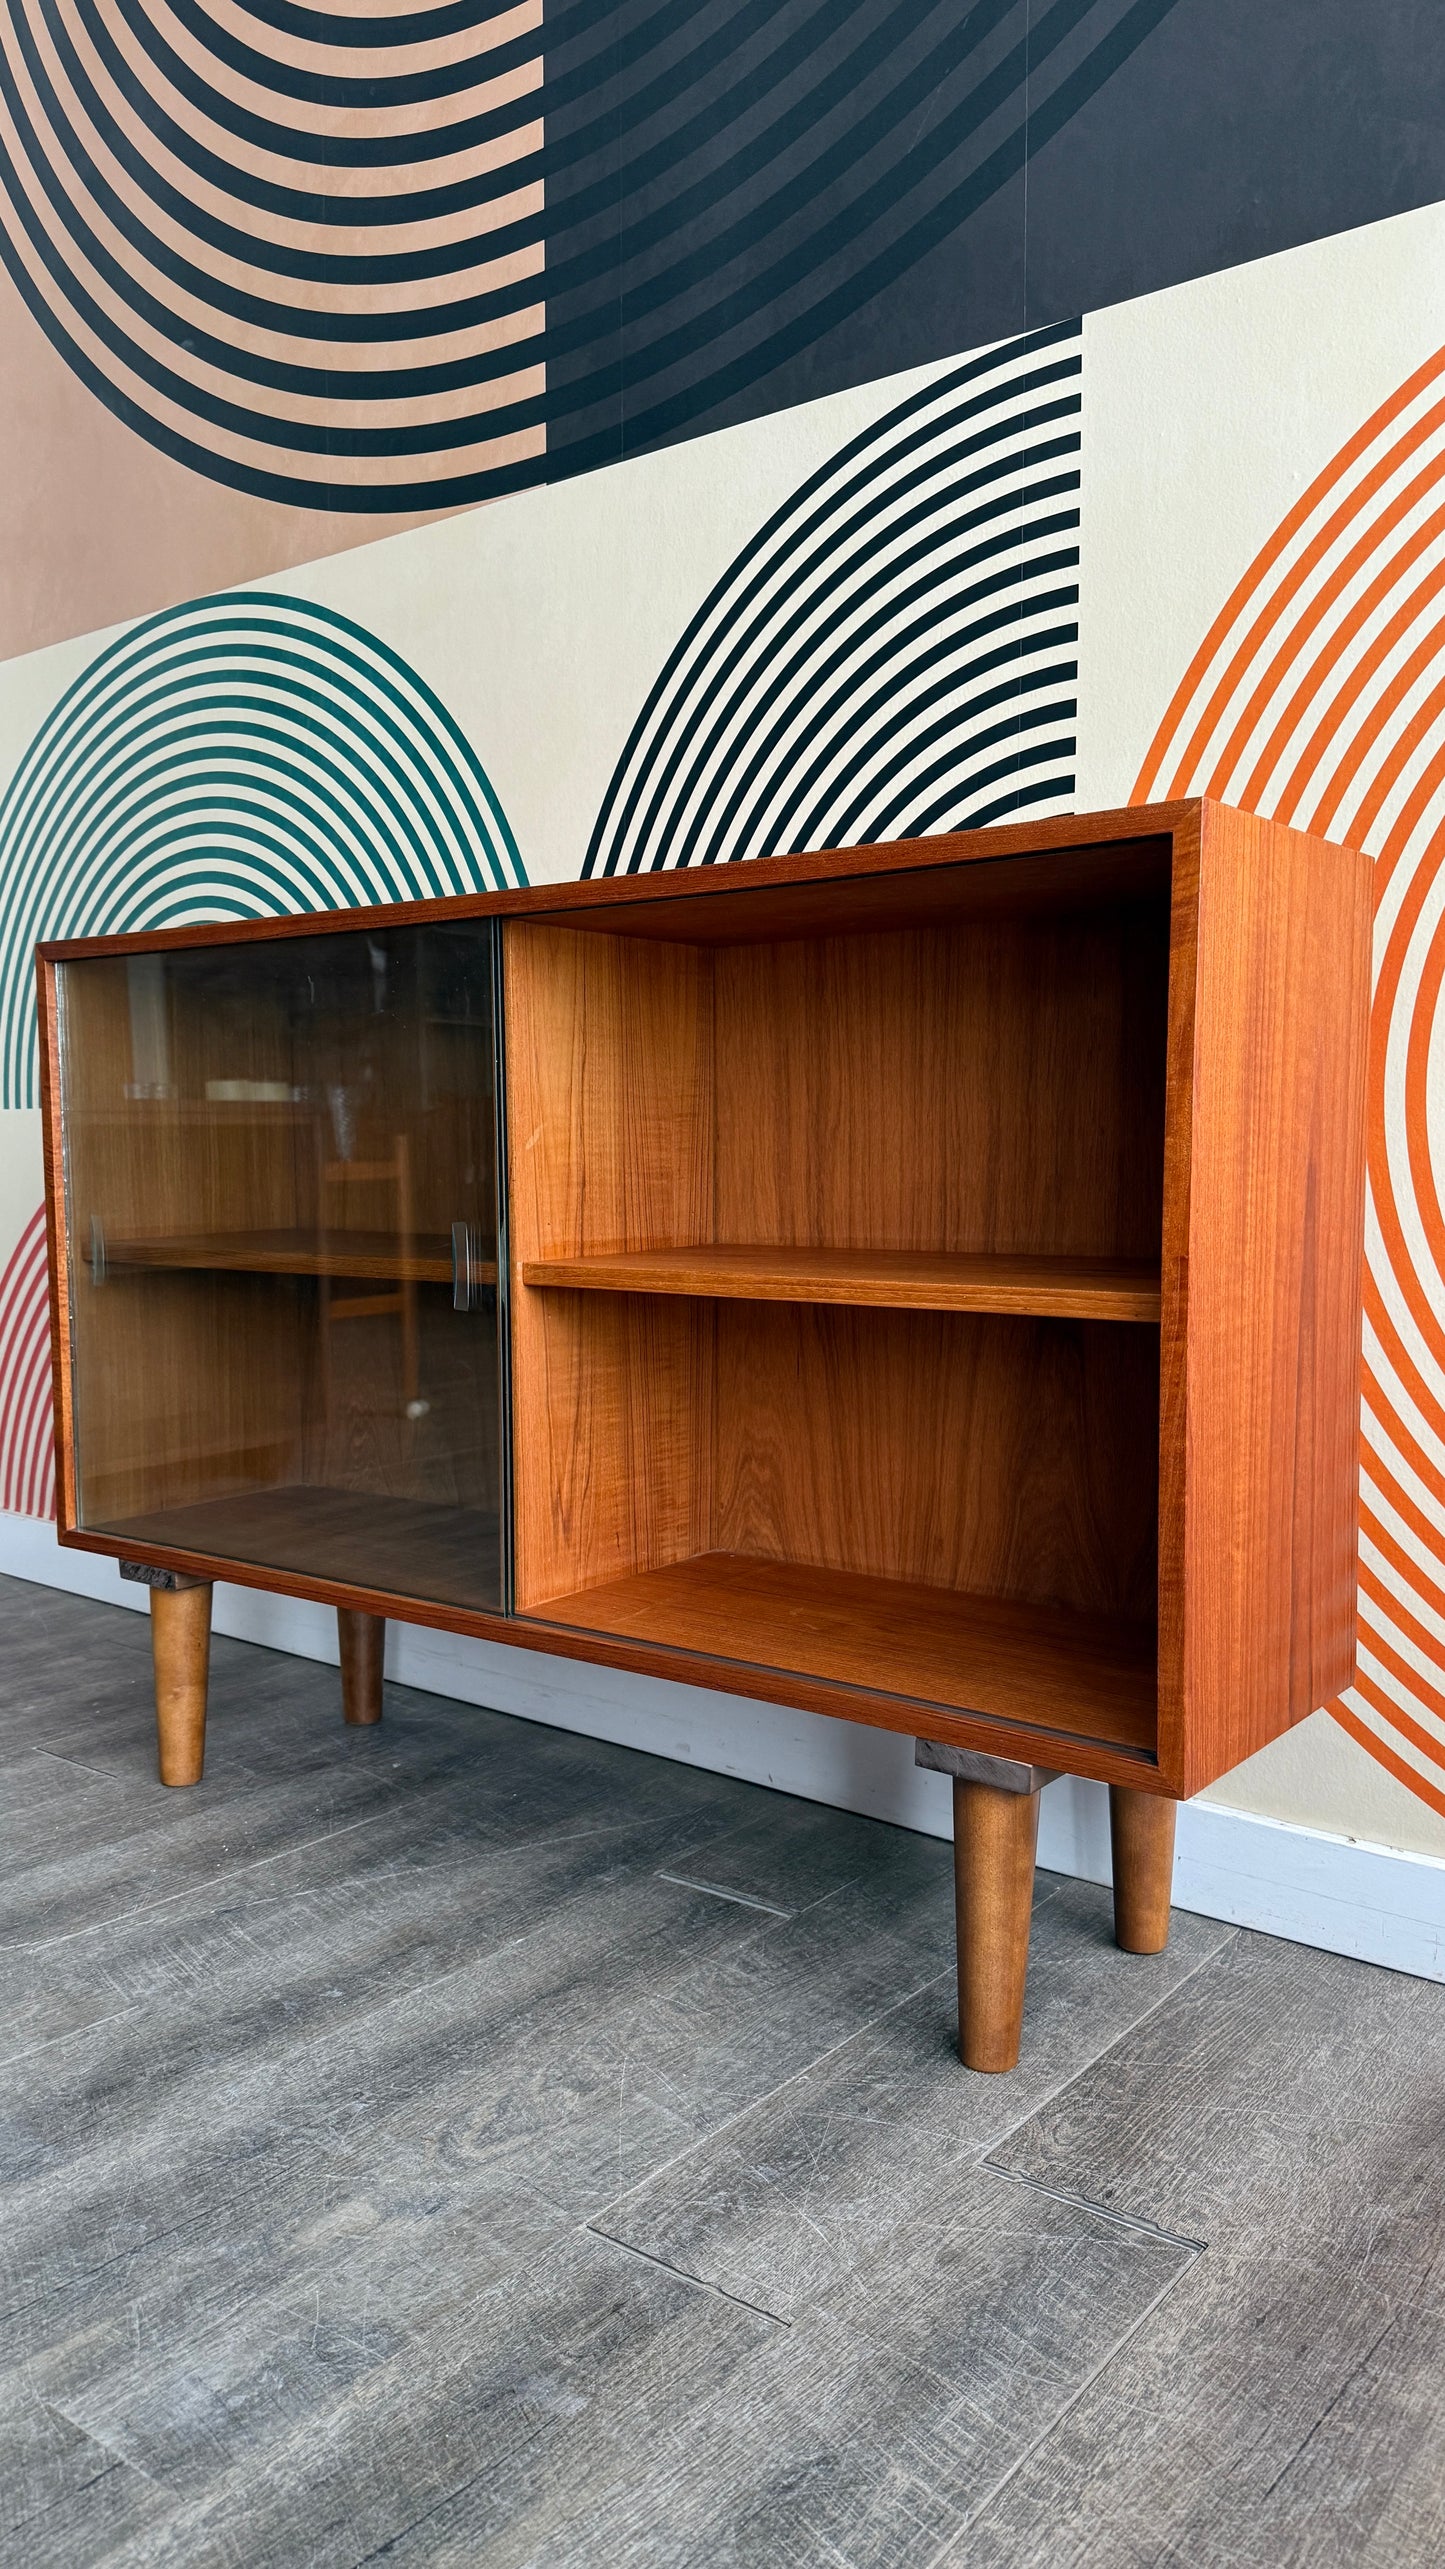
282 1208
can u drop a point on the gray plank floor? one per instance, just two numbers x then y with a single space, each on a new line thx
461 2142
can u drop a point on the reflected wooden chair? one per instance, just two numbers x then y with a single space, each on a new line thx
337 1182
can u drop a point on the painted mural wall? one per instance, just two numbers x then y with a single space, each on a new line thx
455 445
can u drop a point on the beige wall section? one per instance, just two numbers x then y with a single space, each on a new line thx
98 526
1208 409
1319 1778
22 1173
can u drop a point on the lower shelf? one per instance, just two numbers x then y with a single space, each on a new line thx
405 1547
1081 1676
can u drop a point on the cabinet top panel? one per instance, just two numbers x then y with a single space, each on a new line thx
1079 859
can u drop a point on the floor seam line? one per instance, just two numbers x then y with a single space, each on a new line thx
1131 2221
715 1891
71 2034
304 1846
57 1758
699 2283
1165 2000
949 2555
705 2140
115 2461
101 1926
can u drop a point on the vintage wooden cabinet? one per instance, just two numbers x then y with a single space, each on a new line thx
921 1283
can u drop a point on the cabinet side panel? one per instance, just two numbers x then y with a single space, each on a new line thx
610 1146
1276 1246
57 1242
1174 1293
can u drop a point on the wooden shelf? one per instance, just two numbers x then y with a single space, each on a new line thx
296 1253
401 1547
1057 1288
1079 1676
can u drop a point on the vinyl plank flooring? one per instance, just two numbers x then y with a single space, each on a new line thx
64 2498
559 2103
1288 2407
102 2158
866 2432
499 2400
44 2458
98 1859
118 2515
791 2197
33 1778
44 1997
468 2142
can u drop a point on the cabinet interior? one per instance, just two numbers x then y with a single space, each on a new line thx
836 1219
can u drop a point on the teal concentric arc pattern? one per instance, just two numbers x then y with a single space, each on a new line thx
242 758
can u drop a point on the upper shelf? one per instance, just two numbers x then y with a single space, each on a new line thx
298 1253
1064 1288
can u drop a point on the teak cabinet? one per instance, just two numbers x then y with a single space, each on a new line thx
920 1283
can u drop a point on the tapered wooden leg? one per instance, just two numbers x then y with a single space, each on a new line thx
181 1650
994 1837
363 1646
1141 1827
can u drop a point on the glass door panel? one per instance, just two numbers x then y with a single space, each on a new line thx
281 1189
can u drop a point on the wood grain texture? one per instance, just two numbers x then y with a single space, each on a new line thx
182 1542
57 1242
993 1088
609 1110
980 888
856 2155
362 1641
200 1386
1286 2404
1004 1457
1174 1291
181 1645
994 1837
260 1142
766 2103
1141 1838
1267 1303
891 1279
974 1109
1025 1664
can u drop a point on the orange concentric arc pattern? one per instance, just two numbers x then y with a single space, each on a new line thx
1318 698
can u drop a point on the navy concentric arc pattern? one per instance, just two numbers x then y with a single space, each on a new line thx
403 260
894 653
249 756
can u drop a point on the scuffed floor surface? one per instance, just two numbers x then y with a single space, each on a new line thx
461 2142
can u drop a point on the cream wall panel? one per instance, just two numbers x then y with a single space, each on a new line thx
543 621
1208 409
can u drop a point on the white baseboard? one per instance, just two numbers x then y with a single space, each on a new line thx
1373 1902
